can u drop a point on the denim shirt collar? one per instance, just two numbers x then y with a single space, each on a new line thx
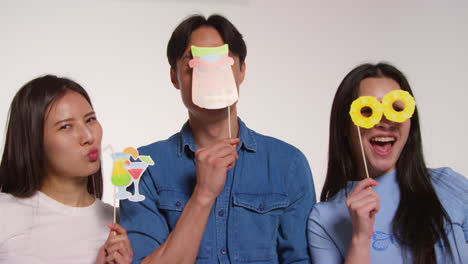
246 136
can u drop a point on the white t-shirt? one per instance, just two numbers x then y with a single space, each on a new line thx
39 230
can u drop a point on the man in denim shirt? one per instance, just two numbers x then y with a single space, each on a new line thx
240 200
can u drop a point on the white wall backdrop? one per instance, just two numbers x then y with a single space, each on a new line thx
298 52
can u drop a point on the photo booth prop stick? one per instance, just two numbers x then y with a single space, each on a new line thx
128 168
213 84
115 189
367 111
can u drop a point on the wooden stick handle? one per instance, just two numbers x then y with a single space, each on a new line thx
362 150
229 121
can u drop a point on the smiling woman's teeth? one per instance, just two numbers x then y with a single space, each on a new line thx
383 139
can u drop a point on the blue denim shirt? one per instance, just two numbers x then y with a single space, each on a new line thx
259 217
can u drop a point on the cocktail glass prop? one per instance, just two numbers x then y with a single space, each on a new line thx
120 176
136 169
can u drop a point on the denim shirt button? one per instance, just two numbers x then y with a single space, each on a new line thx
261 206
221 213
177 204
223 251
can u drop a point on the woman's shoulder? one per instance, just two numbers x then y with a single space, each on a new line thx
326 211
104 208
447 180
8 201
329 221
100 212
450 185
14 212
5 198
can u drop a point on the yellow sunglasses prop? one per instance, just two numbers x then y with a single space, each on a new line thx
385 108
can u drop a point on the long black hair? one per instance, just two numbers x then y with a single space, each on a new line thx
419 221
22 169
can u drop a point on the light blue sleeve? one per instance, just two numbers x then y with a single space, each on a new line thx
322 248
454 187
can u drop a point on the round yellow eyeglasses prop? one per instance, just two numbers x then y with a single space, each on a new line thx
392 98
366 102
387 107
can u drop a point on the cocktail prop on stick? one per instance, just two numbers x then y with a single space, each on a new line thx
120 176
129 166
136 169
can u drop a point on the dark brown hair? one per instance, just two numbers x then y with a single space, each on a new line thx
22 168
419 220
181 36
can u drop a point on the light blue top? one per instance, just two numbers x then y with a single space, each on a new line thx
330 229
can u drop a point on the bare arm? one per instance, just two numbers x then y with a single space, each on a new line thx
182 244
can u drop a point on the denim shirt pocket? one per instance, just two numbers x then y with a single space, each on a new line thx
171 203
255 218
261 203
171 199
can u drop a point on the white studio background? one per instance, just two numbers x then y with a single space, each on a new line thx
298 53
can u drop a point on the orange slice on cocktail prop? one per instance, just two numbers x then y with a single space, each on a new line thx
132 151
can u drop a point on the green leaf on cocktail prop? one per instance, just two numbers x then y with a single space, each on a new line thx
147 159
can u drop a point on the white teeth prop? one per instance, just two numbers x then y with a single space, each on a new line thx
383 139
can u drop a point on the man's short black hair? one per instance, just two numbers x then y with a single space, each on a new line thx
181 36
